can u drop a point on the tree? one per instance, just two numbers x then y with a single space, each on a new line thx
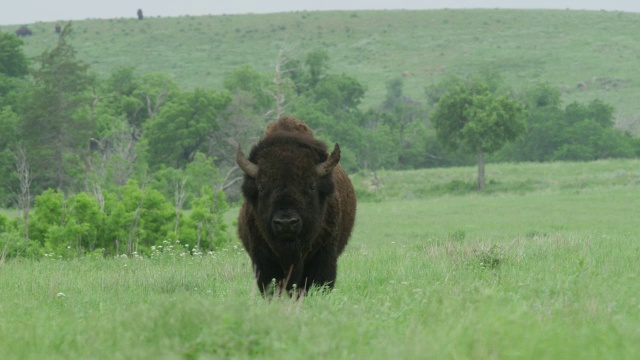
154 91
472 118
406 117
183 127
8 142
54 131
24 194
580 132
317 63
13 62
379 145
247 79
340 93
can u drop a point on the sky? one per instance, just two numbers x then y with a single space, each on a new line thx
30 11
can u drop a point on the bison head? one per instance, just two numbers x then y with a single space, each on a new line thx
287 183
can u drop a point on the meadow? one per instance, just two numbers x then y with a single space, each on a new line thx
544 265
587 54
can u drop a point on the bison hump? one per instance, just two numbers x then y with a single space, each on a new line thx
289 123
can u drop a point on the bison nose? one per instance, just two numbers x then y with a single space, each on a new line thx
286 223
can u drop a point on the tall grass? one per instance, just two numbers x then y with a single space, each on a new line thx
550 273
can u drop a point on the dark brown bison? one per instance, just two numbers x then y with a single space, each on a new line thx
298 211
23 31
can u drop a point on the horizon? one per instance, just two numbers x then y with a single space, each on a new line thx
34 11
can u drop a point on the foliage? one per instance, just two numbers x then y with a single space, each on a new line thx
13 62
198 175
133 221
247 79
183 127
138 124
317 64
53 129
478 119
582 132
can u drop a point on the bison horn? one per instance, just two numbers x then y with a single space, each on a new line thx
247 166
326 167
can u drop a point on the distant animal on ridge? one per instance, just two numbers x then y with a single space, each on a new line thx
23 31
299 209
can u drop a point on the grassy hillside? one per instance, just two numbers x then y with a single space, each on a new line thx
588 54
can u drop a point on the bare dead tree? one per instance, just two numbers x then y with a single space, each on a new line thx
24 194
279 95
213 209
154 104
118 154
136 222
240 124
227 182
88 155
115 163
199 234
280 82
180 196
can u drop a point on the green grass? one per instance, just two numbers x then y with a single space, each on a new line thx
551 272
566 48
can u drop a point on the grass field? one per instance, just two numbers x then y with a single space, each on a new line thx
547 273
588 54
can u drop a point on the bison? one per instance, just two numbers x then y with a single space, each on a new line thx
23 31
298 211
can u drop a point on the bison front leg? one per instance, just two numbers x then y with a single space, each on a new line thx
273 279
320 270
268 277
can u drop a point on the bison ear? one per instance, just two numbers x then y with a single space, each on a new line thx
245 165
326 167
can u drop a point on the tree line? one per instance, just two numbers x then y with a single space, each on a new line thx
64 130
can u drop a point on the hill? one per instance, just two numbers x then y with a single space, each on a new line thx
587 54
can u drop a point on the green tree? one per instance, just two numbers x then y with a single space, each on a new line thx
207 217
317 64
9 121
339 93
184 127
247 79
472 118
13 62
580 132
48 211
378 148
545 124
404 116
152 91
53 127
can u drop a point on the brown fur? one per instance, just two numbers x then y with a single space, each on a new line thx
287 155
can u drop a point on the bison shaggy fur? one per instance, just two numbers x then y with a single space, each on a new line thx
298 211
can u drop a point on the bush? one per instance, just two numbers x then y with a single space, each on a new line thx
134 221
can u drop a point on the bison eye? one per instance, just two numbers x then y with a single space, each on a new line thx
312 186
260 189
